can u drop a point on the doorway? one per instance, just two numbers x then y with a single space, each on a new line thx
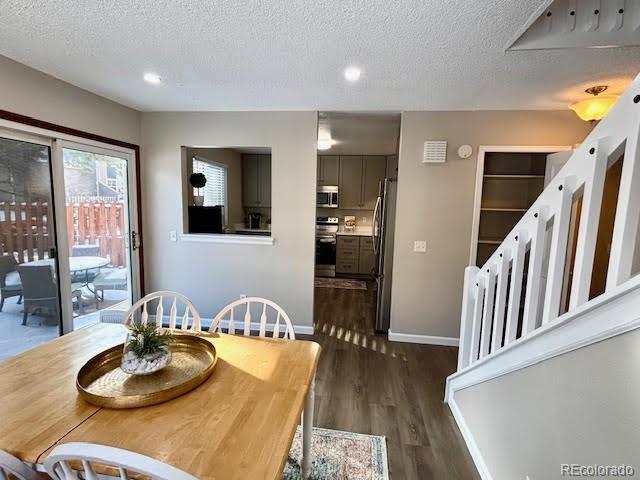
68 249
355 214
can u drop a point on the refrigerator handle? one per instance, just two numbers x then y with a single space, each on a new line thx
376 225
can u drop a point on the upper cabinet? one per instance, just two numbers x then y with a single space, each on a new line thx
360 177
256 180
374 172
328 170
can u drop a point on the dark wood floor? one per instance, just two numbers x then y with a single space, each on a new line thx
369 385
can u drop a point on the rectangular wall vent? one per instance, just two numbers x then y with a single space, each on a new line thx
435 151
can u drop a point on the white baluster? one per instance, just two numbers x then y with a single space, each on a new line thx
477 321
558 251
534 278
515 289
625 229
263 320
487 314
589 220
159 313
466 320
247 320
173 314
501 301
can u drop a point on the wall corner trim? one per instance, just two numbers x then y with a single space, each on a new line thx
423 339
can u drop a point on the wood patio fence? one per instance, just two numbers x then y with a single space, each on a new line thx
25 229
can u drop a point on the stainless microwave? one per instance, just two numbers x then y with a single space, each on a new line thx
327 197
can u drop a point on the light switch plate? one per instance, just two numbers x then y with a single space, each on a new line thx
420 246
173 235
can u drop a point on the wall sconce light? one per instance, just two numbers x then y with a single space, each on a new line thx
596 107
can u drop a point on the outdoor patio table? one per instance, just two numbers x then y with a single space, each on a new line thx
239 424
77 265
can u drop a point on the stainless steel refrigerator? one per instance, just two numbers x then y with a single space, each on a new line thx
384 219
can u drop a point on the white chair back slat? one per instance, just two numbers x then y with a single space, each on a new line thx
173 313
263 321
247 320
263 327
57 464
190 318
12 468
159 313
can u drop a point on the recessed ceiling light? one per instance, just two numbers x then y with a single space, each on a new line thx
153 78
352 74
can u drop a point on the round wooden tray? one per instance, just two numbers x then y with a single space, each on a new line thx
102 382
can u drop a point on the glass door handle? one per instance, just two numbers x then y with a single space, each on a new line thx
53 253
135 240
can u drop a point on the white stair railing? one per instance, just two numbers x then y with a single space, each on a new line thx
494 294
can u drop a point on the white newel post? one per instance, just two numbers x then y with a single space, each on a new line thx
466 321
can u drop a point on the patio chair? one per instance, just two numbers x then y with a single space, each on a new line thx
41 290
109 279
10 285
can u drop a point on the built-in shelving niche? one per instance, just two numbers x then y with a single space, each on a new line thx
511 182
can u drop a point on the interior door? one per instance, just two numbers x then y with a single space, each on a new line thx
100 238
29 276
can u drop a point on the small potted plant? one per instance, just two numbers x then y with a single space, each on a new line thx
198 181
146 350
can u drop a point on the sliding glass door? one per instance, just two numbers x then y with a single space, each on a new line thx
30 304
69 249
100 238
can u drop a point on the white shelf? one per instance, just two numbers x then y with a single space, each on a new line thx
514 177
503 209
488 241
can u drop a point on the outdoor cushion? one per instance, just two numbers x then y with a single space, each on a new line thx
12 281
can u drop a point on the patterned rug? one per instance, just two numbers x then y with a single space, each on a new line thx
339 455
328 282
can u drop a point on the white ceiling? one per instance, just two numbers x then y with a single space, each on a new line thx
267 54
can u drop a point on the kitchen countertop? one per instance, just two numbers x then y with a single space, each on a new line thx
358 231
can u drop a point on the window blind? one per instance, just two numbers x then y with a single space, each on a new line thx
214 191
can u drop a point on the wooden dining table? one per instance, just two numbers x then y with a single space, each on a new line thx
239 424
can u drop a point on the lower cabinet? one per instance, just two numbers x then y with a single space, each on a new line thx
354 254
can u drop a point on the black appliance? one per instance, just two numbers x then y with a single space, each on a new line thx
326 228
206 219
255 220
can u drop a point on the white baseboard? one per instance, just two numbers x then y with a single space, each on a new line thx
424 339
470 441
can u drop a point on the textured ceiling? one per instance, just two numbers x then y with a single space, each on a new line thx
289 54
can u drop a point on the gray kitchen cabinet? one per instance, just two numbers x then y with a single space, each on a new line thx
256 180
264 179
350 182
366 258
354 254
374 168
328 170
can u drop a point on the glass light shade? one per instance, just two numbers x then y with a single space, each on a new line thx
594 108
325 143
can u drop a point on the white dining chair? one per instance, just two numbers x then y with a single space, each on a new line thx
189 320
231 313
11 467
128 464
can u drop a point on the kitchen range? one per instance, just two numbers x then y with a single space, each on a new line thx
326 230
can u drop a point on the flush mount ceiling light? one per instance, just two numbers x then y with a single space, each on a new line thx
152 78
596 107
352 74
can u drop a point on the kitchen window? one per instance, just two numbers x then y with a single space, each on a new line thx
215 190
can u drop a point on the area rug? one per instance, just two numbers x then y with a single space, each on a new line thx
339 455
327 282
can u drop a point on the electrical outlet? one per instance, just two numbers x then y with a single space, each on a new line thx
420 246
173 235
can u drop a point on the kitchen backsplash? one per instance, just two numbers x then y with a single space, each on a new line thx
363 217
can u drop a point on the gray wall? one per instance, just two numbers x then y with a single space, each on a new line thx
581 407
213 274
29 92
435 203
